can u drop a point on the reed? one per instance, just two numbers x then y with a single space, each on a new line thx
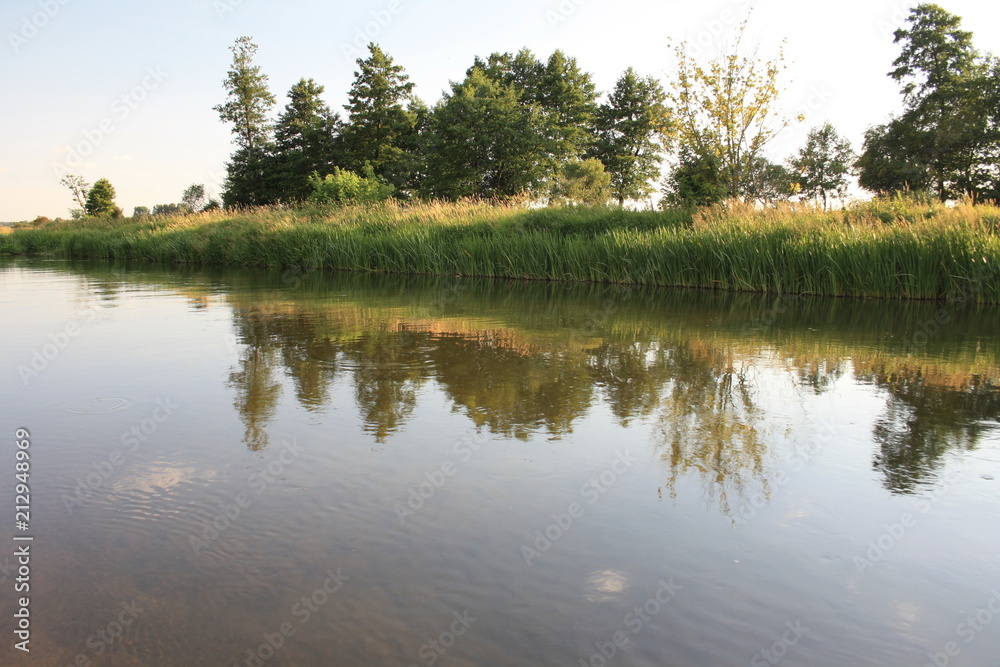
900 248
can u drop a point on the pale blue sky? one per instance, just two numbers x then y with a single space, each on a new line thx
133 83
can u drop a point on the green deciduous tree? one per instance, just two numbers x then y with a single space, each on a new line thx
482 141
823 165
695 181
345 187
944 137
631 126
582 182
563 96
194 197
728 108
101 200
79 189
247 106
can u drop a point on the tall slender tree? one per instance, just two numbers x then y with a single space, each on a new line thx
945 129
380 123
247 106
631 127
823 165
728 108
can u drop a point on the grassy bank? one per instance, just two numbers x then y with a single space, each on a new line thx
886 249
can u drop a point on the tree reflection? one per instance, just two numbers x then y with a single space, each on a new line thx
922 422
709 424
548 360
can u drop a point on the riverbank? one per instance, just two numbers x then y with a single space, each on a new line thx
900 250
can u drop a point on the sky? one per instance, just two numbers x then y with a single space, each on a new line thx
124 90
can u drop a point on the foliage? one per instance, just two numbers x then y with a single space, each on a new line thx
727 108
344 187
695 181
140 212
582 182
944 137
78 187
484 142
170 210
767 182
305 141
631 126
822 166
194 197
928 251
379 122
247 106
101 200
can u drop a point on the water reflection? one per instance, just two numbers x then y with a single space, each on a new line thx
521 359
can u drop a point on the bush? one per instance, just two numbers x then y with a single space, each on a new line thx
344 187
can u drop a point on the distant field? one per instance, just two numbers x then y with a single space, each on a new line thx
895 249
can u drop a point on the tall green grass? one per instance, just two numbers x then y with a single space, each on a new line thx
896 249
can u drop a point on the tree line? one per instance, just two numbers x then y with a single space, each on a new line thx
517 126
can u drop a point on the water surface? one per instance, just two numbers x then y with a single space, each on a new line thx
415 471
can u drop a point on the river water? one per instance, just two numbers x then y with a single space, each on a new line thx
306 468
